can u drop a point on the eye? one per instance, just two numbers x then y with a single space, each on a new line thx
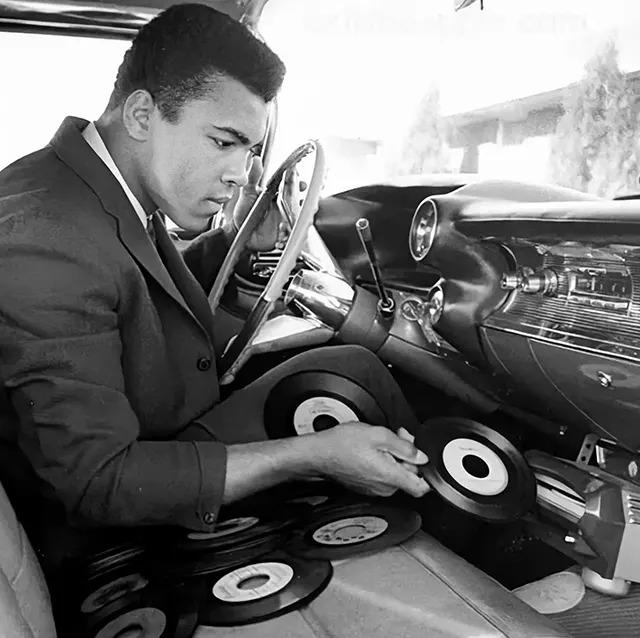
221 143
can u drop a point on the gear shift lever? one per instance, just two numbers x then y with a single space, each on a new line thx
386 304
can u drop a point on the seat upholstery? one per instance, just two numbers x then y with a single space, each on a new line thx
416 589
25 607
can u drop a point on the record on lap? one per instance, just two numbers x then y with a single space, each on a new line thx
277 584
343 532
476 469
307 402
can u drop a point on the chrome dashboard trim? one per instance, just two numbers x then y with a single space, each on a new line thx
320 296
422 232
580 319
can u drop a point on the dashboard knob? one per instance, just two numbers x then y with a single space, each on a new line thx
604 379
544 281
511 281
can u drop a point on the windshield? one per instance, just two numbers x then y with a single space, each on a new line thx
543 90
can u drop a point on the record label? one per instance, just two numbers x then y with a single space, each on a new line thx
225 528
112 591
347 531
475 467
146 622
277 585
307 402
319 413
253 582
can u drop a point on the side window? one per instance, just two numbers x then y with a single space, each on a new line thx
44 78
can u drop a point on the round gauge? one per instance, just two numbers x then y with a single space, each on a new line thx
423 229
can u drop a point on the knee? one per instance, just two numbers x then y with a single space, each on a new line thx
352 353
355 359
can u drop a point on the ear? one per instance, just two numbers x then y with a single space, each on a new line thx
136 114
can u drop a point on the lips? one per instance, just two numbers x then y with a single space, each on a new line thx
219 200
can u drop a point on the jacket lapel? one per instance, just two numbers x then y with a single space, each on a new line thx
74 151
181 275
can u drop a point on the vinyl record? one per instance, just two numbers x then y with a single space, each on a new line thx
476 469
153 614
108 592
278 584
304 499
231 532
101 579
183 566
107 560
308 402
347 531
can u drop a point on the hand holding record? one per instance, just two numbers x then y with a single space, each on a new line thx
370 460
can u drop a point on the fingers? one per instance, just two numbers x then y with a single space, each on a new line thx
416 486
408 480
409 467
255 174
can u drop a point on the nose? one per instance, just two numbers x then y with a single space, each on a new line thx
237 170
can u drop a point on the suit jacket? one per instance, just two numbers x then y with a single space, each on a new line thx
106 352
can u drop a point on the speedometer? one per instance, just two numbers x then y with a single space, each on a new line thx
423 229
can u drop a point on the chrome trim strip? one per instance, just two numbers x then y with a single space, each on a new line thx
73 18
104 19
568 344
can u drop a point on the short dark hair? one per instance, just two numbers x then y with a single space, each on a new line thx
178 54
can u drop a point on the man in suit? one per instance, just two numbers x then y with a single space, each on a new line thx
110 402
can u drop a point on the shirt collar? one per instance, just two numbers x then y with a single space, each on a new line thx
92 137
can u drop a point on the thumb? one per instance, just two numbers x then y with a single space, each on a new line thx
406 435
405 451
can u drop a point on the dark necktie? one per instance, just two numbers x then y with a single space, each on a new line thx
189 288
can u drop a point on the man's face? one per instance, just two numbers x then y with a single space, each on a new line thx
195 164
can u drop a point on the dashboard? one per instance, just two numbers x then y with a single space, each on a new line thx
527 294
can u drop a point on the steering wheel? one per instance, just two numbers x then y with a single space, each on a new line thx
238 352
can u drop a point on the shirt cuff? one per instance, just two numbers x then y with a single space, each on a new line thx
212 461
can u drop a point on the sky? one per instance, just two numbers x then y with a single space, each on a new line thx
381 56
356 68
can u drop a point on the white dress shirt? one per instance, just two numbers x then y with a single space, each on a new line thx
94 140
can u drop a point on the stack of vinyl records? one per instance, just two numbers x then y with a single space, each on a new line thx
267 556
112 596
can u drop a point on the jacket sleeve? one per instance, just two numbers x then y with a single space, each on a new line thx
60 363
205 254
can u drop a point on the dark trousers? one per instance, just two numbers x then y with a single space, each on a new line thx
239 418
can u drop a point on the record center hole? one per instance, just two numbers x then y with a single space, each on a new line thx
253 582
351 531
324 422
475 466
135 630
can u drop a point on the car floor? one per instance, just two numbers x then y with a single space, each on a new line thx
601 616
